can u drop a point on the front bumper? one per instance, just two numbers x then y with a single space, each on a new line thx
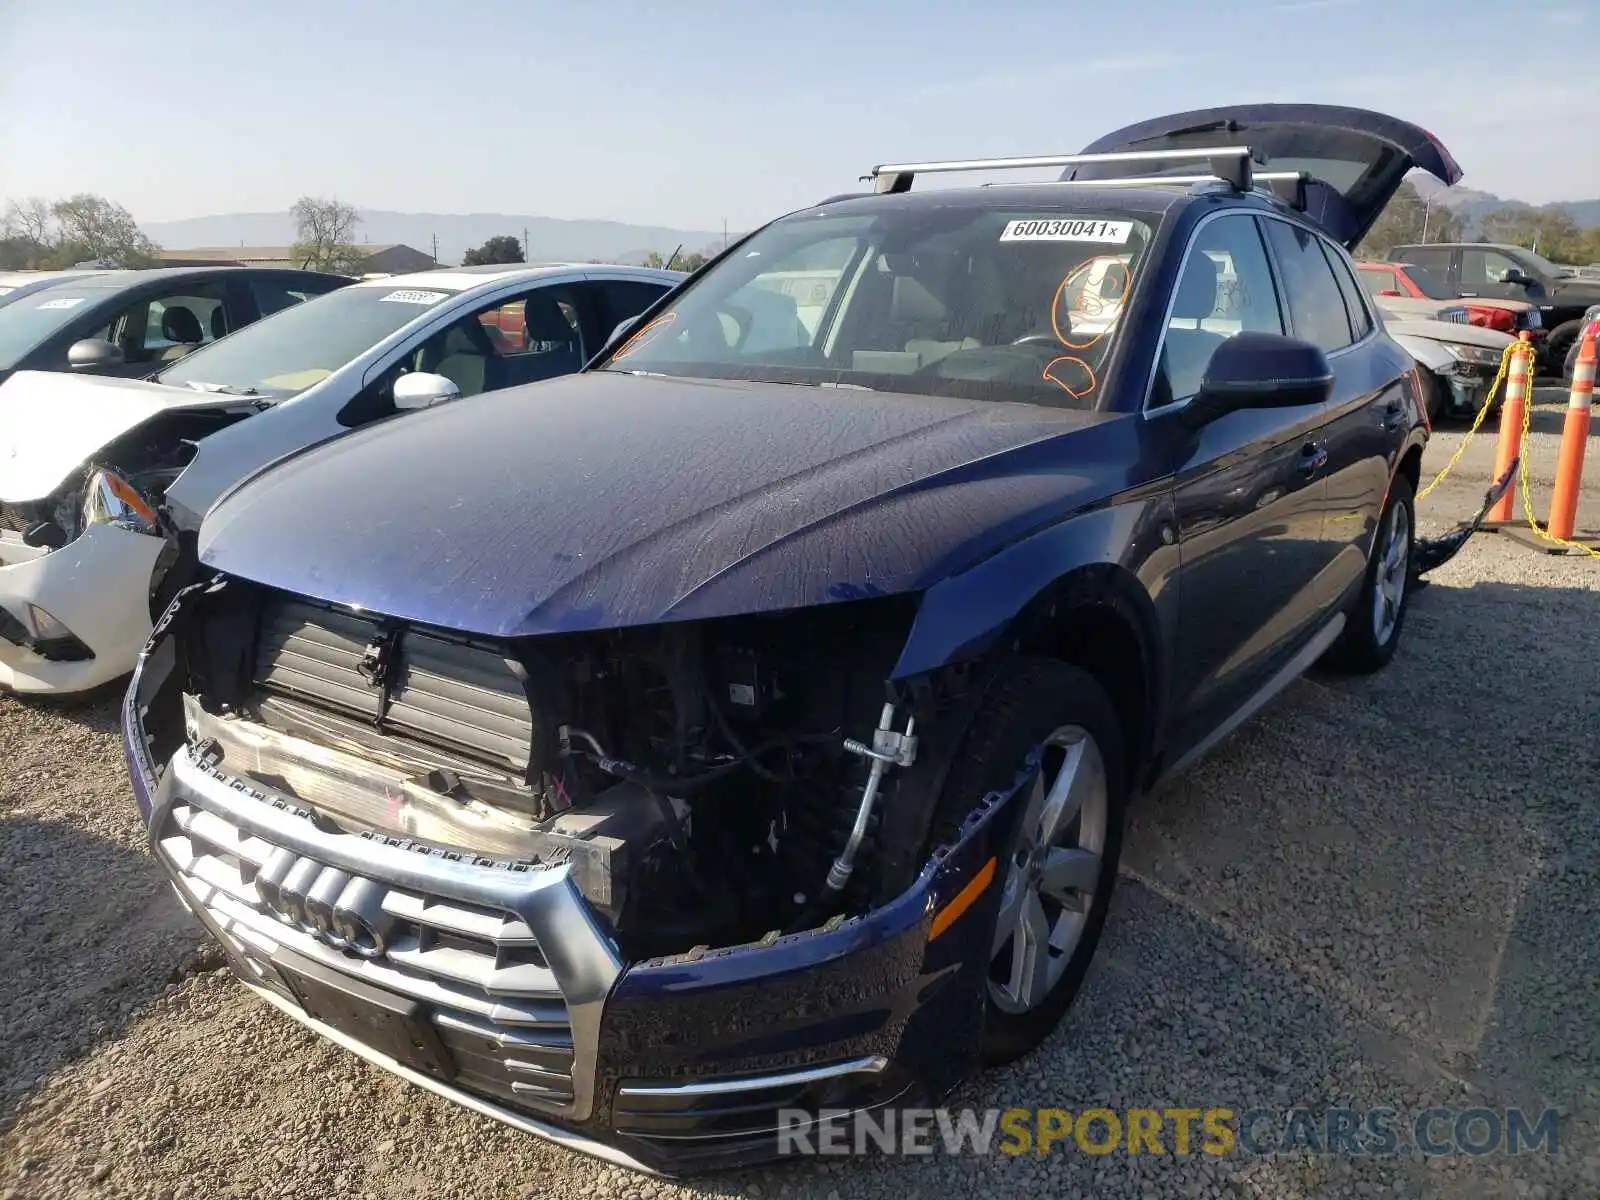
98 586
528 1014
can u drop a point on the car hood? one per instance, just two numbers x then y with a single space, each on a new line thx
606 499
51 423
1411 307
1447 331
1576 291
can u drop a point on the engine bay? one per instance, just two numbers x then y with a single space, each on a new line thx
701 779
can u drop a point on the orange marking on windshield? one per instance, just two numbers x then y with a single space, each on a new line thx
1067 365
664 321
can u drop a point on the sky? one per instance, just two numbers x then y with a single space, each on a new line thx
698 113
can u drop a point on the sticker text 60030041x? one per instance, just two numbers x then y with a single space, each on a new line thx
1066 229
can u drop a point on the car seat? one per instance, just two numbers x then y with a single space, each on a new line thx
1188 352
180 326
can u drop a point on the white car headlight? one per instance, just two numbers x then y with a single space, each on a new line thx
1477 355
112 500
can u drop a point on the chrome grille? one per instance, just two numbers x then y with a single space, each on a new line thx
480 972
457 695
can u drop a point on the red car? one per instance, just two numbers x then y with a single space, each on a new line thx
1418 283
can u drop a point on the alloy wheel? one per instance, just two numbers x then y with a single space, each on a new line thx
1053 874
1389 583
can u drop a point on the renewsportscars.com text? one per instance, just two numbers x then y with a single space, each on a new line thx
1175 1131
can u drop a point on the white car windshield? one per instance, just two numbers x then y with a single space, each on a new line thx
284 354
26 323
989 303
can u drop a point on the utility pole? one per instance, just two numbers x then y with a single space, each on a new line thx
724 233
524 243
1427 216
436 249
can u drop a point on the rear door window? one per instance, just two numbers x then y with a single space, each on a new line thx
1316 305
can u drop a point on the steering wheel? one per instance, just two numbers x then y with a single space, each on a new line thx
1037 339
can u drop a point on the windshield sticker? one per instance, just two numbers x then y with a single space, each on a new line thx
412 296
1071 229
64 302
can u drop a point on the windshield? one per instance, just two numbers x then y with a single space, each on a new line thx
1543 265
988 304
1429 284
282 355
26 322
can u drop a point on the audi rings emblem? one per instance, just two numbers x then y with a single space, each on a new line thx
337 908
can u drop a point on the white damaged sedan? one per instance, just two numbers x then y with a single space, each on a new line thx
87 536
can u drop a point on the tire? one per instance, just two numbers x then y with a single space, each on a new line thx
1435 397
1563 338
1377 615
1570 366
1041 701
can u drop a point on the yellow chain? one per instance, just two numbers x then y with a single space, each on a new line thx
1477 421
1522 449
1527 498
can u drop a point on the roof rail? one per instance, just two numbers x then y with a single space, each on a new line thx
1286 185
1232 164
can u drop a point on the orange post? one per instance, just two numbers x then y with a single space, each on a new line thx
1574 436
1519 377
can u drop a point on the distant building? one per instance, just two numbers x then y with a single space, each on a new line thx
375 258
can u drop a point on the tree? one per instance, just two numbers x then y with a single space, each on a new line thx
30 220
1550 231
325 235
692 261
1407 219
500 249
91 228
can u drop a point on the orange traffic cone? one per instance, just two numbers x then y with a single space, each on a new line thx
1574 437
1519 381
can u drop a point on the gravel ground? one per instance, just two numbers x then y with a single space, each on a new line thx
1383 892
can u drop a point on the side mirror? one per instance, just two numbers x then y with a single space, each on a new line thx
1515 275
1260 370
423 389
93 354
618 333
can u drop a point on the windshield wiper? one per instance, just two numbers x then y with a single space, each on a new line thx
223 389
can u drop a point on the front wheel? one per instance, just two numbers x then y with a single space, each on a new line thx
1058 861
1563 340
1378 614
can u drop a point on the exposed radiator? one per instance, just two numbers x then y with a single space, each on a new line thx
462 697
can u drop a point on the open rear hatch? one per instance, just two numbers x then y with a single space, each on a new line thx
1356 160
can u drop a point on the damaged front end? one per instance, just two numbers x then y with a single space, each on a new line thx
637 890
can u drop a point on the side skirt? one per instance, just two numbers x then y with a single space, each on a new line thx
1292 670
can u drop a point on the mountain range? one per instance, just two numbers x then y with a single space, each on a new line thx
552 239
1472 205
549 239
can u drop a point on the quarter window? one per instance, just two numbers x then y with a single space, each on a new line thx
1225 288
1316 304
1355 304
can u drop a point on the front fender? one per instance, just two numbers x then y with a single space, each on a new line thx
1129 547
1429 353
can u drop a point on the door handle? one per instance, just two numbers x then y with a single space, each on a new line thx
1313 458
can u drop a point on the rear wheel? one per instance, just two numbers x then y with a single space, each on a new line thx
1059 858
1378 613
